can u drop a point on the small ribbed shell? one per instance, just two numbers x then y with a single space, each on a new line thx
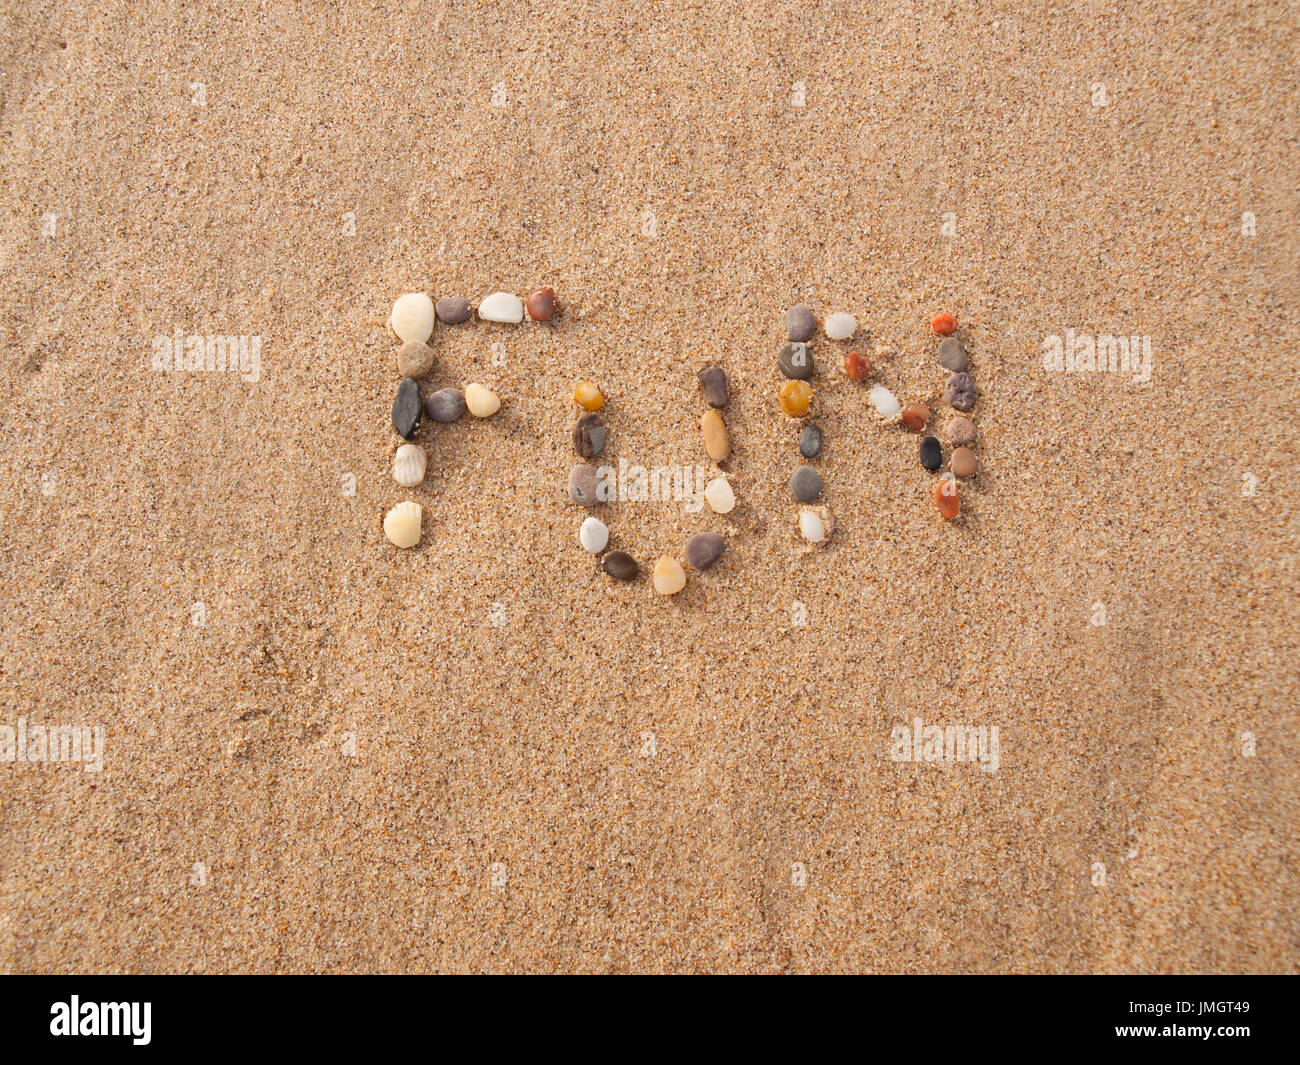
409 465
402 524
412 317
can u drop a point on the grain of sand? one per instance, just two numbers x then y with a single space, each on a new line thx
553 771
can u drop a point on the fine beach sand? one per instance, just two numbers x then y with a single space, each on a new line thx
322 754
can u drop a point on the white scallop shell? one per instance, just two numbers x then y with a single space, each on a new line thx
481 401
412 317
501 307
402 524
409 465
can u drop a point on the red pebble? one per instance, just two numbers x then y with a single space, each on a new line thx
944 324
857 365
946 498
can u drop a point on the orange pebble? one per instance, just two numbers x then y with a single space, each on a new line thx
916 416
857 365
796 398
944 324
946 498
587 396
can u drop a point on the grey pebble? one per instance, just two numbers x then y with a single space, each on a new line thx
806 484
800 323
961 392
952 354
810 441
589 435
445 405
406 408
796 361
621 566
452 310
713 382
582 485
704 549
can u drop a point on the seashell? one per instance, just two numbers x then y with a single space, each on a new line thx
501 307
402 524
412 317
482 402
409 465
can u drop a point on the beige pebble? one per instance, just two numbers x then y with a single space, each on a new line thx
402 524
719 495
481 401
669 577
412 317
716 441
961 430
963 462
414 359
409 465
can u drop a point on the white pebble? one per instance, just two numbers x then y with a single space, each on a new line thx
719 496
811 526
885 402
412 317
402 524
594 535
408 465
481 401
841 326
501 307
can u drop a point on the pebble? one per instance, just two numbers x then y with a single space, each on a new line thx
582 485
669 577
841 326
810 441
412 317
409 465
593 535
800 323
963 462
946 498
452 310
815 524
402 524
944 324
952 354
621 566
719 495
704 549
916 416
541 305
961 430
796 398
501 307
796 361
806 484
857 365
406 408
713 383
885 402
960 392
716 441
481 401
445 405
414 359
589 435
931 453
587 396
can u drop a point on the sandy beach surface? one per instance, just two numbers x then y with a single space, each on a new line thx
320 753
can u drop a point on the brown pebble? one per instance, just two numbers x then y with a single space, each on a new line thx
713 383
621 566
452 310
583 485
963 462
541 305
961 431
716 441
589 435
916 416
704 549
414 359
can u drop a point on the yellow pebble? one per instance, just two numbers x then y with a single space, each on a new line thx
669 577
481 401
587 396
796 398
716 441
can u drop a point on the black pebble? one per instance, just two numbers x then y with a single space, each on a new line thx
620 565
407 408
931 453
